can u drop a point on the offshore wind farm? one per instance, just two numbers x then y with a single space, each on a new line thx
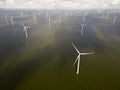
36 51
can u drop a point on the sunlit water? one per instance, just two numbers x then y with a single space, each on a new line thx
44 61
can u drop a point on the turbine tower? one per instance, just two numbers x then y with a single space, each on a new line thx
78 58
25 30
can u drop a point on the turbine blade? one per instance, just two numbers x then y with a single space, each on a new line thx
86 53
76 48
81 24
78 66
114 19
23 25
76 60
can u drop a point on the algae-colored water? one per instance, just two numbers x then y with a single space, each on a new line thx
44 61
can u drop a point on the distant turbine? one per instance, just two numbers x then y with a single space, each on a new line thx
83 24
34 18
60 19
71 13
78 58
47 15
49 20
66 15
21 14
12 21
114 19
107 16
98 11
25 30
103 16
6 19
82 27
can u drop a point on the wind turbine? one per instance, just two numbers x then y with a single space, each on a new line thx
98 11
83 24
71 13
49 20
103 15
12 21
47 15
107 16
60 18
6 18
114 19
66 15
82 27
25 30
78 58
34 18
21 14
